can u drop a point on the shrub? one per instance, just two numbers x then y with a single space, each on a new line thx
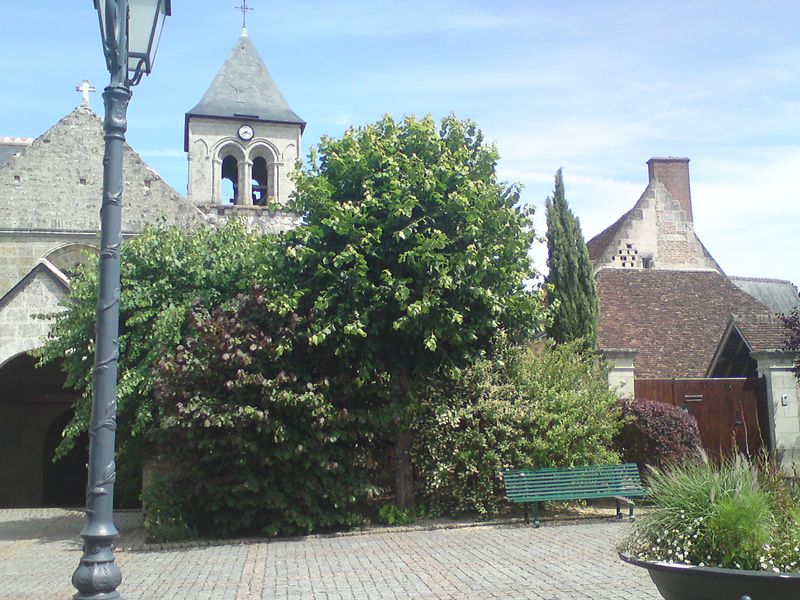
656 433
720 516
165 511
526 407
390 514
261 444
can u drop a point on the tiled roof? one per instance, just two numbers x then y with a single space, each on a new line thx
761 332
780 295
675 319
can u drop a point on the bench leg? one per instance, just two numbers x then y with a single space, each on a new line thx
619 511
535 507
630 513
525 506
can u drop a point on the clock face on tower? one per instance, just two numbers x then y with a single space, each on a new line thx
246 133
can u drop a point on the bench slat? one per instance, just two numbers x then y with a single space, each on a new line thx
591 481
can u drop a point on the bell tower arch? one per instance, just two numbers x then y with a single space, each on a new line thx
242 139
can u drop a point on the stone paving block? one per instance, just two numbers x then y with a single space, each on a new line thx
40 548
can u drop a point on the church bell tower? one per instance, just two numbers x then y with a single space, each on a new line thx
242 138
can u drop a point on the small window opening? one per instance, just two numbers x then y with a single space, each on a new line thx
259 181
17 178
82 180
230 180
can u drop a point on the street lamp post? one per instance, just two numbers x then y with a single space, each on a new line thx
130 30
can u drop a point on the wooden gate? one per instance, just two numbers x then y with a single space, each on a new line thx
731 413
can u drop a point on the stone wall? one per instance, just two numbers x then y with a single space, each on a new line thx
621 375
658 234
783 398
20 330
20 252
55 185
209 140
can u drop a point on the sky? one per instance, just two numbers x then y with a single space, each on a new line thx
595 88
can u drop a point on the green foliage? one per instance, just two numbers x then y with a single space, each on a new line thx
791 323
257 433
656 433
164 272
571 277
165 509
731 515
525 407
411 256
412 253
390 514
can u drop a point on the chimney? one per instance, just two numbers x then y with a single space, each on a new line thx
674 174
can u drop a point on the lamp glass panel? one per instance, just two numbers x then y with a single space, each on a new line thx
141 22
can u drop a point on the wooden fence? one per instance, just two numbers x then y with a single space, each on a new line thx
731 413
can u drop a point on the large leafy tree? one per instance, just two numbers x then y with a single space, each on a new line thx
571 277
411 257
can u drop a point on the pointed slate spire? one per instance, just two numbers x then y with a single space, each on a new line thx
244 89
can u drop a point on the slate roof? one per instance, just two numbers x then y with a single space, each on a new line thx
778 294
244 88
675 319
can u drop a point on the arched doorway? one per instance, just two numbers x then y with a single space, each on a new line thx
64 481
32 403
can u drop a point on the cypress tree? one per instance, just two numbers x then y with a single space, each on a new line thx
571 273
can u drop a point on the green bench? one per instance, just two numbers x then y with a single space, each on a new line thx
531 486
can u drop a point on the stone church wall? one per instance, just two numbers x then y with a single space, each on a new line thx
208 137
21 252
20 330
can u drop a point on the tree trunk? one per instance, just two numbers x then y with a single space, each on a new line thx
403 472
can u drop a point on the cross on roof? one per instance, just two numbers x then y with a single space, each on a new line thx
85 88
244 8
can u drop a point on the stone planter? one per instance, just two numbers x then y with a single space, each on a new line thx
687 582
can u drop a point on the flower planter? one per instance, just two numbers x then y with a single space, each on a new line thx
688 582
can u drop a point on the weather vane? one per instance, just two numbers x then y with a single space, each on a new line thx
244 8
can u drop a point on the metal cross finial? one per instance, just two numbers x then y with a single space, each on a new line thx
85 88
244 8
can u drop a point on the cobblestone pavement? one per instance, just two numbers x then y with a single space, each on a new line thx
40 548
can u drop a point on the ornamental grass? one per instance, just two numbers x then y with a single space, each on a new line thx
738 514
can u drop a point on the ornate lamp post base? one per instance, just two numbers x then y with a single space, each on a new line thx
97 576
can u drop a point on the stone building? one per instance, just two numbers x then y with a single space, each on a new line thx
668 311
242 131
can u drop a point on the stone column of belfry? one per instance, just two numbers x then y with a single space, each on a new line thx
273 182
216 181
244 196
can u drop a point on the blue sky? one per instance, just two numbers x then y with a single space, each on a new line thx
594 87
